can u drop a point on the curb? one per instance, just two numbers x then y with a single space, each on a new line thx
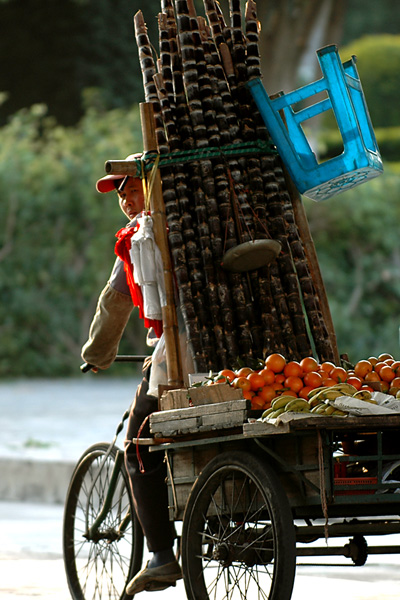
24 480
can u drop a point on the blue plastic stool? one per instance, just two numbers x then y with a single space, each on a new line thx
360 159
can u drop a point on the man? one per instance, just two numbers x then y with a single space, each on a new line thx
148 479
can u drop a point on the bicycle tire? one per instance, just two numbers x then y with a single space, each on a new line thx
99 569
238 536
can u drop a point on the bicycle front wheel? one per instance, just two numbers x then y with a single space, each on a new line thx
100 557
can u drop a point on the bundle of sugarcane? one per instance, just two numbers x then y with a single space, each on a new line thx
219 200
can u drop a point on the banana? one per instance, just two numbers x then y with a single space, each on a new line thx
339 413
267 412
320 410
276 413
346 388
327 393
329 410
332 394
316 391
297 405
281 401
363 395
315 401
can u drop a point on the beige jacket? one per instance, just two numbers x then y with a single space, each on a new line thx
112 313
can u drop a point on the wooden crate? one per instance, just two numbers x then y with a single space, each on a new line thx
211 394
172 399
197 419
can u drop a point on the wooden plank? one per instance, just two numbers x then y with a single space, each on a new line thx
210 394
172 399
199 418
208 409
320 422
177 427
224 420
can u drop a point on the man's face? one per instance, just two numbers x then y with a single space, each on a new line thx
131 199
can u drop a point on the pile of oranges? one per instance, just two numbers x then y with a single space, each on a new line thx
297 379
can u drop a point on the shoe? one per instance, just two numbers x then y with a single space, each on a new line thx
154 579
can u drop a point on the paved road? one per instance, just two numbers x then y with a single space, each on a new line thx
31 564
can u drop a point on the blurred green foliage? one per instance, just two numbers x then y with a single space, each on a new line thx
378 64
357 242
57 234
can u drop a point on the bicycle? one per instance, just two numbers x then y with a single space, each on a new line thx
103 541
102 538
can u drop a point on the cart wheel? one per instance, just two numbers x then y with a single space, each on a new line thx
238 536
100 564
357 550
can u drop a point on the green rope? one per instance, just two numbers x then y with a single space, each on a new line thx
259 147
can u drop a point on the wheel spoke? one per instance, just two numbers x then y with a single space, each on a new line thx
99 567
236 543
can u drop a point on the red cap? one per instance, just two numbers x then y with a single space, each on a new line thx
108 183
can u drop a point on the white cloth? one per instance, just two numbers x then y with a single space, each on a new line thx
158 373
148 269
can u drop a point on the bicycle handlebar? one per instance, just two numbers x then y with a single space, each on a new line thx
119 358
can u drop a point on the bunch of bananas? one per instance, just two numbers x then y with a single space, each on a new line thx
286 404
318 401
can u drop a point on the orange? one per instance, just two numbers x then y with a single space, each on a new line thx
372 376
385 385
385 356
243 372
312 379
303 393
267 393
276 362
242 383
230 375
355 381
219 379
396 367
278 387
339 374
379 366
362 368
308 364
290 393
257 403
256 381
294 383
279 378
373 360
387 373
327 366
395 382
247 394
293 368
328 381
268 376
367 387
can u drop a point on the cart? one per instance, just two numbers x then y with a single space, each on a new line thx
251 498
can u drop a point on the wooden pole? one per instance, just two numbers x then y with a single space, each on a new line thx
170 322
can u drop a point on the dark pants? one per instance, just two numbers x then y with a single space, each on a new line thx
149 488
